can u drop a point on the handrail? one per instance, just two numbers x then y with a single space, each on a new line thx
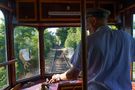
7 63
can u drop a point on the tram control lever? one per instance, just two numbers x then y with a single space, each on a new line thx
45 85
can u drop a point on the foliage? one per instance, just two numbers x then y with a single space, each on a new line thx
69 37
73 37
3 70
3 77
62 34
26 37
113 27
2 41
49 41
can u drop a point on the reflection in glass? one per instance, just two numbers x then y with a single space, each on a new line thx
60 44
26 52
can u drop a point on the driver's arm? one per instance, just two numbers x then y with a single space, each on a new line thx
70 74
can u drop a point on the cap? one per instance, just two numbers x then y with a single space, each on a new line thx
98 12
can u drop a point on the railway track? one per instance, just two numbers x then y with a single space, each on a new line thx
58 62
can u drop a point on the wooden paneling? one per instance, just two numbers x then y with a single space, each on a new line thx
57 11
26 10
60 1
16 87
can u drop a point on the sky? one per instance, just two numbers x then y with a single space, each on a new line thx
52 29
1 14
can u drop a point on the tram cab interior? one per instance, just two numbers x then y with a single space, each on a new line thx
39 37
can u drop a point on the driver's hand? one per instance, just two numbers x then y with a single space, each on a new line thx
55 78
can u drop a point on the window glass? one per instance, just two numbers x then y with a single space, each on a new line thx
134 25
3 77
113 27
60 44
26 52
133 68
3 58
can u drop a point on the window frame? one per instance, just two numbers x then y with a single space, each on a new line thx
35 77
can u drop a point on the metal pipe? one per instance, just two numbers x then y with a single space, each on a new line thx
83 41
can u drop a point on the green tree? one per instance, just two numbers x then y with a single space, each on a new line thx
49 41
3 70
73 37
2 41
3 77
26 37
62 34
